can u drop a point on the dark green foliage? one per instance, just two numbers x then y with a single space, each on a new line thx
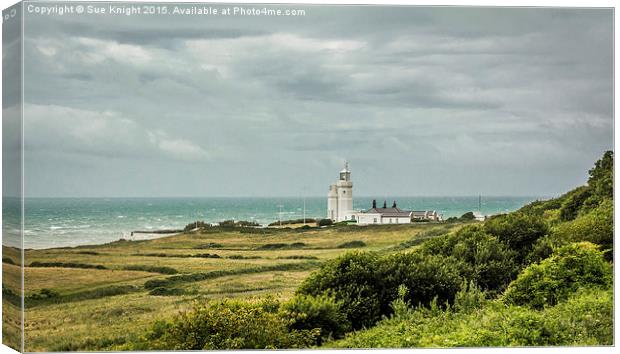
518 230
539 207
544 248
557 277
112 290
468 216
228 324
469 298
573 201
601 181
290 222
586 318
279 246
11 296
297 257
163 291
325 222
209 245
596 226
8 260
198 225
239 256
66 265
366 284
354 280
238 223
427 276
44 294
352 244
205 255
151 269
489 263
306 312
198 255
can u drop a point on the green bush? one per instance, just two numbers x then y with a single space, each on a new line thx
469 298
573 202
352 244
518 230
354 280
601 181
555 278
596 226
539 207
468 216
586 318
151 269
427 276
306 312
489 263
325 222
229 324
544 248
66 265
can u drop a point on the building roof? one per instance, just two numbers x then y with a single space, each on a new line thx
390 212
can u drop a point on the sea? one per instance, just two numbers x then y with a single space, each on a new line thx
65 222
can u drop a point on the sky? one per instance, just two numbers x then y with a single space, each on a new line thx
420 101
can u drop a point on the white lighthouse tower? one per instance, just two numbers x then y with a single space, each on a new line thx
340 197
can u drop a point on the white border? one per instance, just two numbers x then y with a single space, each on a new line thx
505 3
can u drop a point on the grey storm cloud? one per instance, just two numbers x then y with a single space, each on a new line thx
435 101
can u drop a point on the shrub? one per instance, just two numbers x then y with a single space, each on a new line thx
238 223
66 265
209 245
196 225
306 312
354 280
487 262
428 276
586 318
151 269
325 222
277 246
8 260
543 248
553 279
469 297
44 294
228 324
573 202
468 216
518 230
601 181
352 244
596 226
539 207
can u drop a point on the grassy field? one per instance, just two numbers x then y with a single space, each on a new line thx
99 297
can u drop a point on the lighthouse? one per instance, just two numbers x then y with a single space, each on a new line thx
340 197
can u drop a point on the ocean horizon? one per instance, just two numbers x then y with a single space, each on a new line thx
68 222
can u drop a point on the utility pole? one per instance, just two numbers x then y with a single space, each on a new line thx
280 215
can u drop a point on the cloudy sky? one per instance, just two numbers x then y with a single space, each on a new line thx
420 101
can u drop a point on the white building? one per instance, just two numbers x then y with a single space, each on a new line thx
340 198
429 215
340 207
385 215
